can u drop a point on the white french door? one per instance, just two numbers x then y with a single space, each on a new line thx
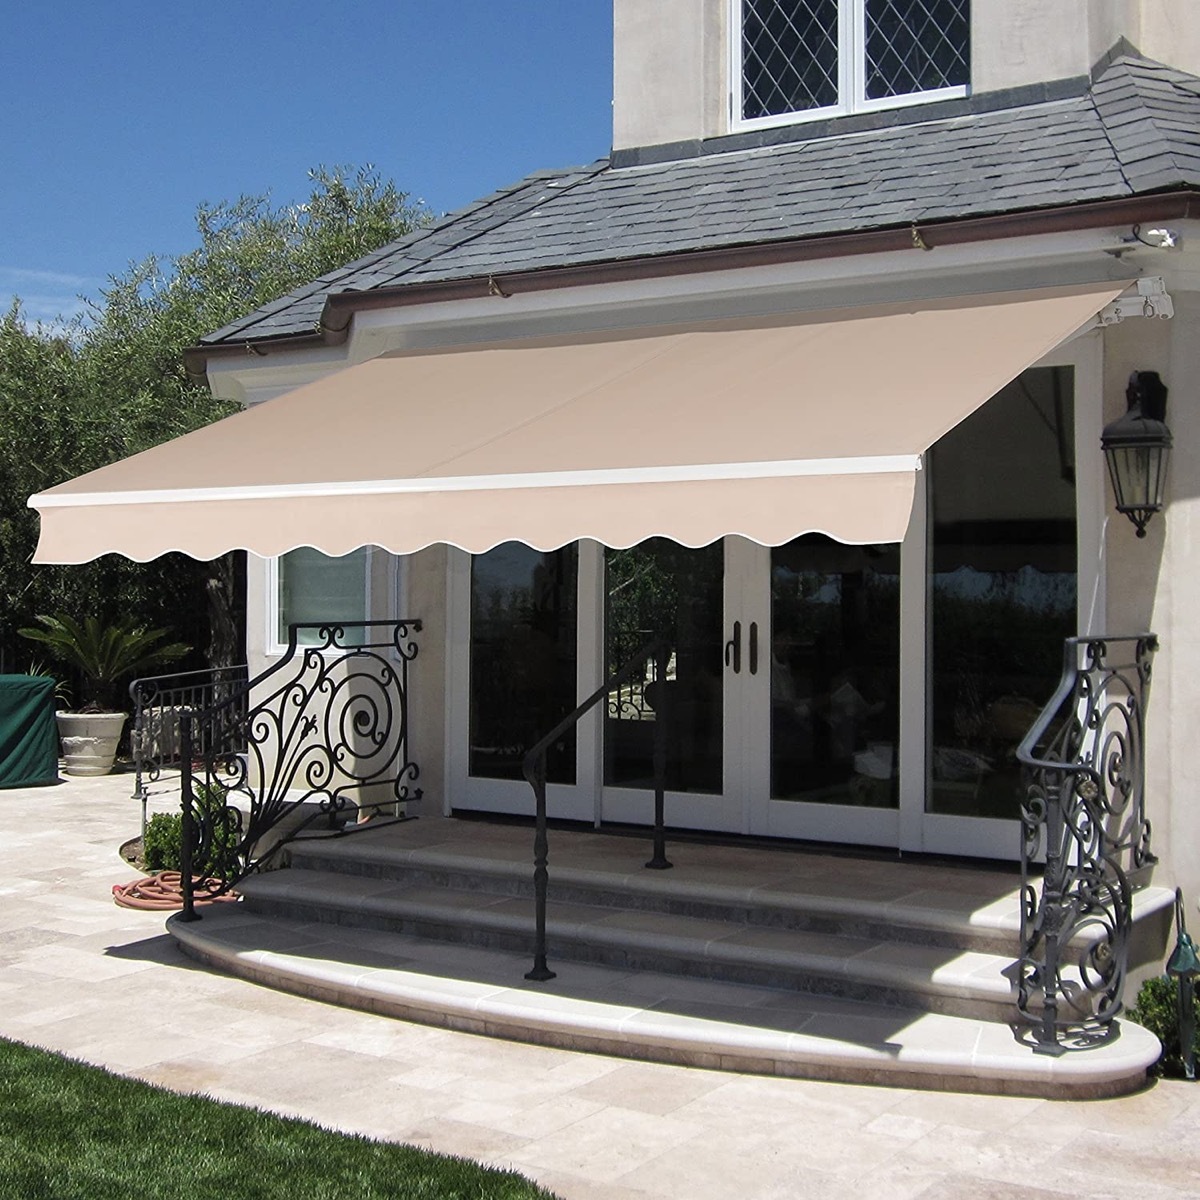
766 710
520 653
818 691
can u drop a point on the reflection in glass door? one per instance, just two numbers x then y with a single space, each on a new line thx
662 589
835 644
522 659
1003 588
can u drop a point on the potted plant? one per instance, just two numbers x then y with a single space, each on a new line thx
105 656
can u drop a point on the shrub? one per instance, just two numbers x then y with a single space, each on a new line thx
1157 1009
163 842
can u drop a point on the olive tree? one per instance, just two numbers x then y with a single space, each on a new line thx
77 397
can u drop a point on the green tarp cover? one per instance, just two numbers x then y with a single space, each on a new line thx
28 736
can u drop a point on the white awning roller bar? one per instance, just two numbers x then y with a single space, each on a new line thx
767 427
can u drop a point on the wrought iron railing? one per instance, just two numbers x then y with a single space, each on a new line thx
534 769
1085 840
158 701
316 745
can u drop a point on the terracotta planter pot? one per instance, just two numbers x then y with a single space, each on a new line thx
89 741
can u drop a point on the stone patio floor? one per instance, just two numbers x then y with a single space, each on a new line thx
81 976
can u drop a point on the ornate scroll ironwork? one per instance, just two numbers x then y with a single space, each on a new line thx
1083 819
321 746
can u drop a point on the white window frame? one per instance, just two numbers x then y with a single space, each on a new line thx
275 645
852 70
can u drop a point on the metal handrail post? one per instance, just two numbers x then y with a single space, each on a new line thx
1053 892
659 861
541 877
187 826
533 767
139 789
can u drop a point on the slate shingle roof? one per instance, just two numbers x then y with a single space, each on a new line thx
1136 130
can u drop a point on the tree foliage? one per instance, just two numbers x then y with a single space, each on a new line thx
113 383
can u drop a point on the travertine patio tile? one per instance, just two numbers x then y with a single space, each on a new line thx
902 1181
714 1164
328 1075
577 1187
782 1103
643 1087
392 1040
1174 1164
65 962
607 1146
199 1074
120 1048
434 1078
477 1141
989 1114
957 1187
526 1122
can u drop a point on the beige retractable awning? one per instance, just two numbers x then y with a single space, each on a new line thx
768 428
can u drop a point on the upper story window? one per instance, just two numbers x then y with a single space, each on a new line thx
810 58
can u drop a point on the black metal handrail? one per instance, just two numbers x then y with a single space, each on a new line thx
157 703
1083 817
534 769
320 735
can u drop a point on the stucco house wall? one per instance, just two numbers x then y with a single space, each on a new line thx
671 69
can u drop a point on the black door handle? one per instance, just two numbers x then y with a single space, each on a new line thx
753 647
733 649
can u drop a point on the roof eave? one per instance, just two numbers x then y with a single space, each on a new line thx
334 327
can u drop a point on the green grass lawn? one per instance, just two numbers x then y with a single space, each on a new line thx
68 1130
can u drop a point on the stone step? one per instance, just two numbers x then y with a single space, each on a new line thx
649 1015
923 917
935 978
953 916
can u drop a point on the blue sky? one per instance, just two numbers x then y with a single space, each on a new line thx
119 117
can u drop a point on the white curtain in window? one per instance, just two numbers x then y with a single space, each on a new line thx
314 587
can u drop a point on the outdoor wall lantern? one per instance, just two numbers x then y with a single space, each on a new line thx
1137 447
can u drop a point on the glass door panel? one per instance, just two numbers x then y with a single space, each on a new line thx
659 588
522 659
834 679
1003 585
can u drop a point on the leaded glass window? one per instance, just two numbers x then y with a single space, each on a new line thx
789 56
916 46
810 56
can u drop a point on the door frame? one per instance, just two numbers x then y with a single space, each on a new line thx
715 812
987 837
574 802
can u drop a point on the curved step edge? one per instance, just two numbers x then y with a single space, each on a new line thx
938 1052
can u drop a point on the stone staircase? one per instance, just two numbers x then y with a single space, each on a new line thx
755 957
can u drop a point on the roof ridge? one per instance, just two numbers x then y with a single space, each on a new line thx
1132 96
574 176
412 238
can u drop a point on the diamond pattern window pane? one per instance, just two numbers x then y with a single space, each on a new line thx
917 46
789 56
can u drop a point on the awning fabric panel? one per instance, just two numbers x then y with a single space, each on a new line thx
767 428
